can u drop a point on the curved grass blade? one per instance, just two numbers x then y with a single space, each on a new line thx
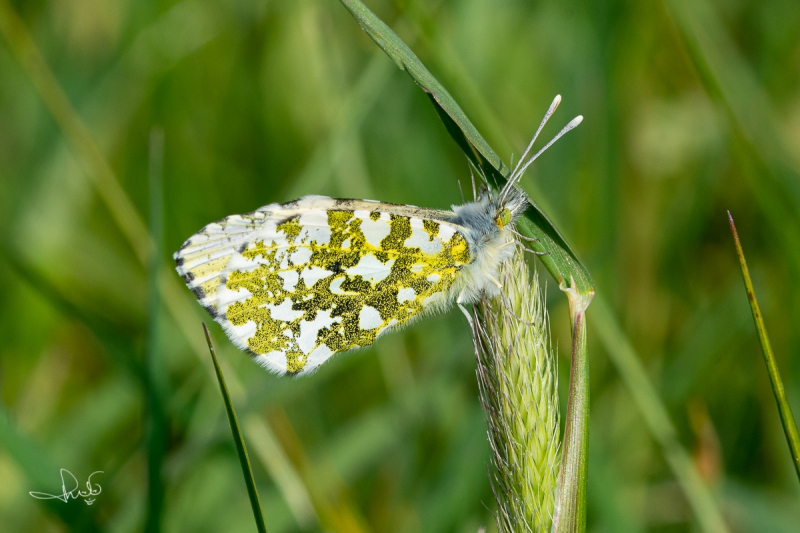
558 258
784 409
247 470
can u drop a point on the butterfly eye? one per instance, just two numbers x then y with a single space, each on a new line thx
503 218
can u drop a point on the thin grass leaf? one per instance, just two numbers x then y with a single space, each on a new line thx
784 409
244 460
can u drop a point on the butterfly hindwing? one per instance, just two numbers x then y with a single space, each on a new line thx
295 283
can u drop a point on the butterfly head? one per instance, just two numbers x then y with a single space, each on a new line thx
507 206
503 218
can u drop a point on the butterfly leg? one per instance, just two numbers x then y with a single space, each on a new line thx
460 304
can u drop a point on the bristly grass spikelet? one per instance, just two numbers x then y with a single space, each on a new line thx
518 384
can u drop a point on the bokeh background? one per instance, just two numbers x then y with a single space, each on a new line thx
120 119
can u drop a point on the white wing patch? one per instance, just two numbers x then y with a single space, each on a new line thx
369 318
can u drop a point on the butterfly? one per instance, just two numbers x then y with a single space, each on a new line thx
295 283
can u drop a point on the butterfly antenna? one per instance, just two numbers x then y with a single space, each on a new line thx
550 111
571 125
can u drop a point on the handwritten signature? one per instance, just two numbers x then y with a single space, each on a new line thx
88 495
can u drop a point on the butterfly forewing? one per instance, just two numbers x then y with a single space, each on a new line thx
298 282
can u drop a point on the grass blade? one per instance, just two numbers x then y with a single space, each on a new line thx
560 261
247 470
784 409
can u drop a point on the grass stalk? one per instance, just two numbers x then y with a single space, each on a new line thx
518 383
784 409
238 440
570 512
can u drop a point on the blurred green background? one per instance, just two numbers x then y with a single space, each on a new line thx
691 108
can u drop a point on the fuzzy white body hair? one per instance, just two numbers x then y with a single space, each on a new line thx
489 242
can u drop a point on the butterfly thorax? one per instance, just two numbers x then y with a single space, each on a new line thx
488 224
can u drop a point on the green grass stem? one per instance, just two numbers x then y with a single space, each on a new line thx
570 512
784 409
241 450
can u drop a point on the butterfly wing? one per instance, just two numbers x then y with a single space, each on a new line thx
295 283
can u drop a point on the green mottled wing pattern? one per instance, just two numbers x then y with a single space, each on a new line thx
296 283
